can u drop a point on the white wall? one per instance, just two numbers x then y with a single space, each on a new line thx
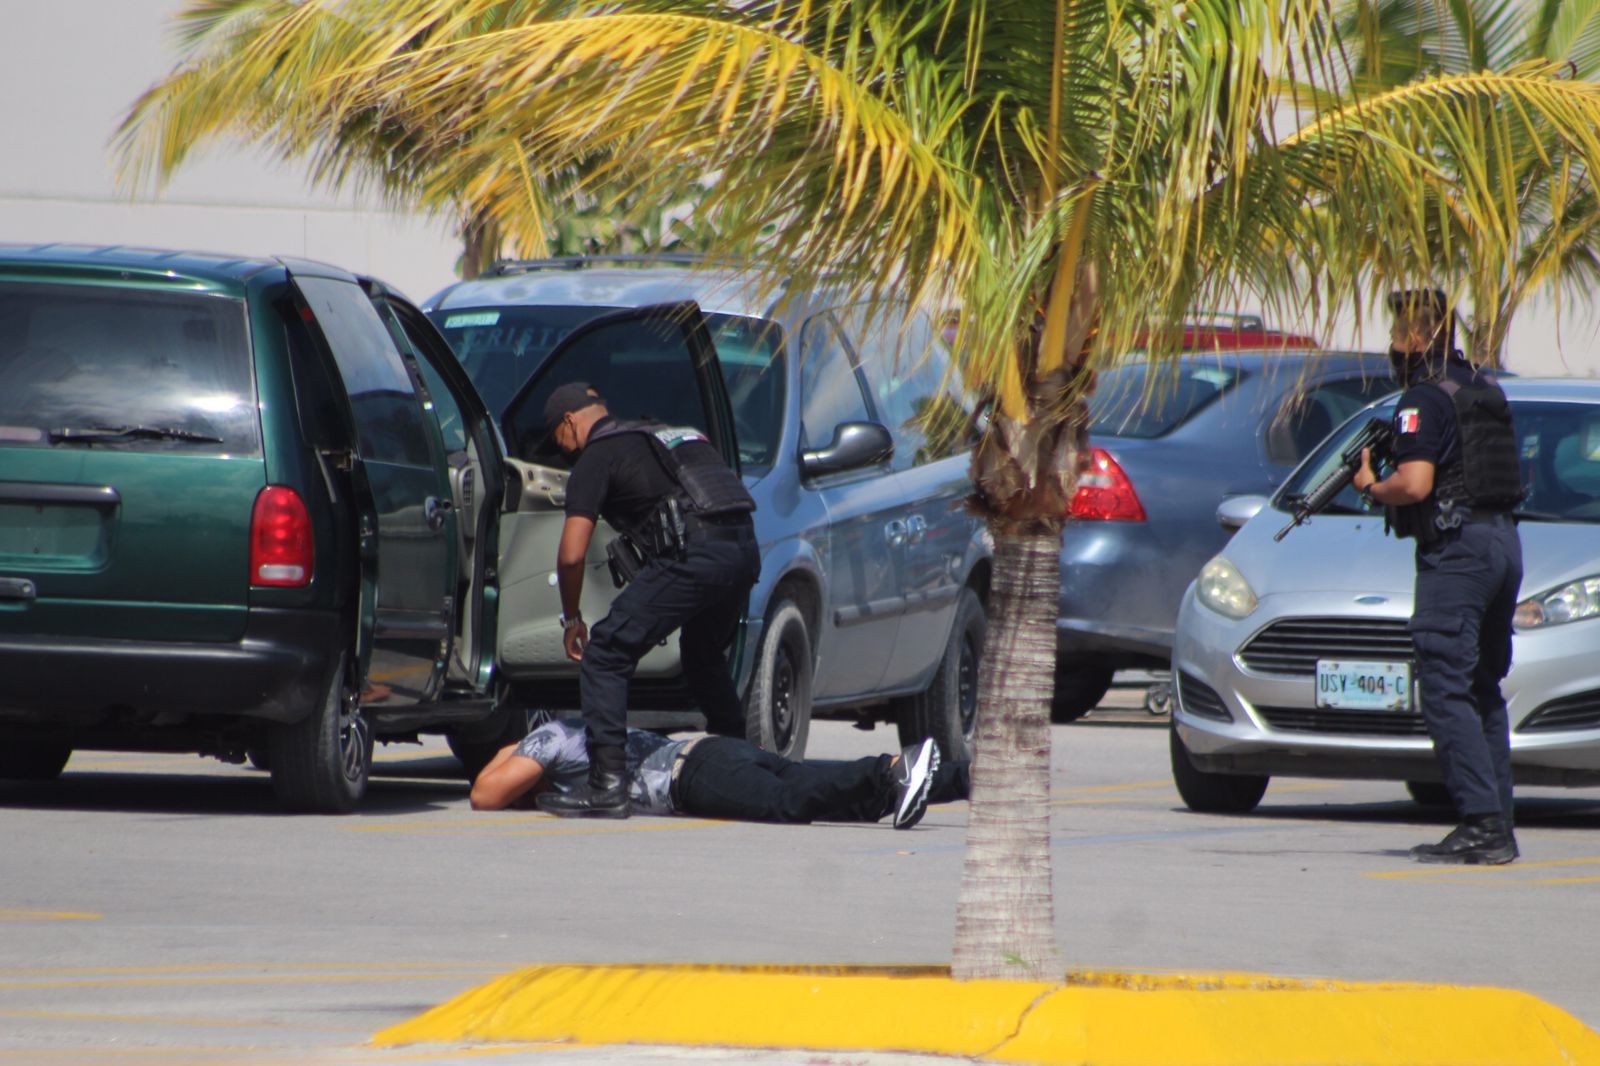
69 70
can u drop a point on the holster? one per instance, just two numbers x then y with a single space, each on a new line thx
624 559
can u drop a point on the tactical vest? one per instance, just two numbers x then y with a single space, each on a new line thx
708 485
1485 477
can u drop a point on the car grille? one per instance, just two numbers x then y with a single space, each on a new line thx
1292 646
1200 699
1344 723
1569 712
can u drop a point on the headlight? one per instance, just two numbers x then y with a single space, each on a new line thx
1223 589
1569 603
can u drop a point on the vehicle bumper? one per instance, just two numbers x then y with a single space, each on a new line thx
276 672
1120 588
1211 684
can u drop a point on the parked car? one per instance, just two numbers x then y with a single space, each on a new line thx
851 439
1269 626
1168 445
254 507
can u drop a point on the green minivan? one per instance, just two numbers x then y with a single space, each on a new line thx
254 508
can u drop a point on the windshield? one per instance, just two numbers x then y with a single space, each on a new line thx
1558 441
1128 403
133 369
501 348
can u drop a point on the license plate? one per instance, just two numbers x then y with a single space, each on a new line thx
1363 686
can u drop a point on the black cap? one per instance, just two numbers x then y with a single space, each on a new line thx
573 396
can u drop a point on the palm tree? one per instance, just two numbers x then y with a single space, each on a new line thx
1066 172
1551 212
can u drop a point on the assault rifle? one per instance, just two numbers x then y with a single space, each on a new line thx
1377 434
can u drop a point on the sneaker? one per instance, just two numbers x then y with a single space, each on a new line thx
911 777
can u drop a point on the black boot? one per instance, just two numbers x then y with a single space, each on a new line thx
1481 840
604 795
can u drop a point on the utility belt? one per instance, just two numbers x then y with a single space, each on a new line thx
1445 522
667 534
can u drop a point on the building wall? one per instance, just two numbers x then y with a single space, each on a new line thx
68 80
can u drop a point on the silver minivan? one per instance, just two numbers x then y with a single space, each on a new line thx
854 441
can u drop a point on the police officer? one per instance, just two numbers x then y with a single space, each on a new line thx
1455 483
688 555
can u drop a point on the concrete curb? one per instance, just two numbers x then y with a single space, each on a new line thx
1099 1018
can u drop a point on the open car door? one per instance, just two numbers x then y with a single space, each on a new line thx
655 363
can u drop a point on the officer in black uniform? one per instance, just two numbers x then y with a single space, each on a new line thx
1456 481
689 558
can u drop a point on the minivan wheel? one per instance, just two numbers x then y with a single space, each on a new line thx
30 761
777 709
1080 687
476 746
1212 793
947 710
1430 793
321 763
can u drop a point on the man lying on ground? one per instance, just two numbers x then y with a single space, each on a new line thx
725 777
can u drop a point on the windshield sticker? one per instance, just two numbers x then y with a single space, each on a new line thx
471 318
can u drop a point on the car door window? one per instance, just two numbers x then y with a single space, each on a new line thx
830 385
908 371
388 415
1307 416
639 363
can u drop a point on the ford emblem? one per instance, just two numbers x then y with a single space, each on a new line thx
1372 600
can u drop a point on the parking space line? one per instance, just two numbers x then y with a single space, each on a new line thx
21 914
538 825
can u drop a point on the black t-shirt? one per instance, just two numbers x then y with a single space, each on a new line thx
1425 419
619 479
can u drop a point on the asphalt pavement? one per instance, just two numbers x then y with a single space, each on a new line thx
159 908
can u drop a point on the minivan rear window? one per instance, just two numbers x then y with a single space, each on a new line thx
1129 402
76 360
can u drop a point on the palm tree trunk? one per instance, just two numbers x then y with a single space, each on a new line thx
1005 918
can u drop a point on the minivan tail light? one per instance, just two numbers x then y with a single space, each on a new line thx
281 543
1104 492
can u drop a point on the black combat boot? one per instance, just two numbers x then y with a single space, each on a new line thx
1481 840
604 795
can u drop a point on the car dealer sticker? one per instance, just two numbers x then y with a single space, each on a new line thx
1363 686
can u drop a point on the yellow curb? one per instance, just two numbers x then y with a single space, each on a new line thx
1090 1018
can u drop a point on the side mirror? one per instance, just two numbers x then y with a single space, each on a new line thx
854 445
1235 511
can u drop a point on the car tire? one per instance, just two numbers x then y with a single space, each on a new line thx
778 705
947 710
1080 686
31 761
475 747
1211 793
321 764
1430 793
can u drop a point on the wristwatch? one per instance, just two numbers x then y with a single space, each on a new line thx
568 623
1366 496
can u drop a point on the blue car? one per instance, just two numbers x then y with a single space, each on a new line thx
1169 444
847 432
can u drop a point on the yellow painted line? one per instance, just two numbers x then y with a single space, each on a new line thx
1105 1019
219 967
168 982
16 914
557 827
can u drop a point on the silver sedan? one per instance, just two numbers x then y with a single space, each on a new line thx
1292 656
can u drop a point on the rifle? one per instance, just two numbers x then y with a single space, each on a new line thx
1377 434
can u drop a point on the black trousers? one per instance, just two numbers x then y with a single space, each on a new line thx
704 594
736 780
1466 594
